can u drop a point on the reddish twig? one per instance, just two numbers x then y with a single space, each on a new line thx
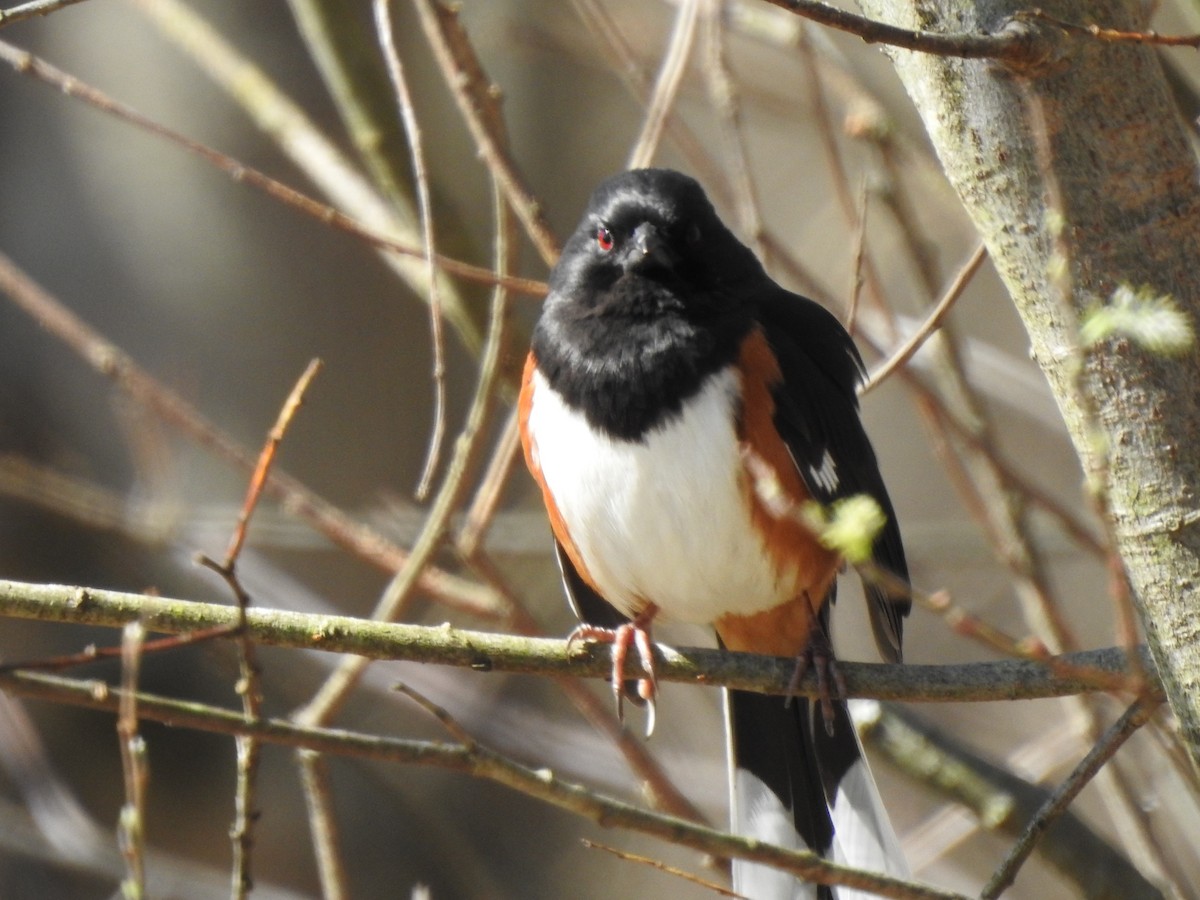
92 653
258 479
1112 35
664 868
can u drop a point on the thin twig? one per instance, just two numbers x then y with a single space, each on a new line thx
447 721
724 95
932 323
1112 35
28 64
466 448
289 126
248 750
864 264
1135 716
661 866
605 34
322 823
869 123
266 459
412 130
132 828
248 686
346 53
666 87
33 8
91 652
505 253
860 253
482 509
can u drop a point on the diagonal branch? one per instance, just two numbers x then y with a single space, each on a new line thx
480 762
1110 742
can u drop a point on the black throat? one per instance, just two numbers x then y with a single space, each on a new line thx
630 371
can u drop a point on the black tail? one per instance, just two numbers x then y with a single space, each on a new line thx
795 785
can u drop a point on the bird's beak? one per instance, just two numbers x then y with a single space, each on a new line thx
648 250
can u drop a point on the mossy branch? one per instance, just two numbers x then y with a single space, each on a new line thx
1004 680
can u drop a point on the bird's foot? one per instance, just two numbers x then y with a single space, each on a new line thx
635 634
819 657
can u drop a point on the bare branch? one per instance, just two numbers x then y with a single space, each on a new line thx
1090 670
1134 718
33 8
1017 42
480 762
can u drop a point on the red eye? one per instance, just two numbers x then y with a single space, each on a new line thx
604 238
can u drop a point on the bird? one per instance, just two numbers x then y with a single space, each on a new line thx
668 374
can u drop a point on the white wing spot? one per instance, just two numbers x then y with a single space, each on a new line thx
825 476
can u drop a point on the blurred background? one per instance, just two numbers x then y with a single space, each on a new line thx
812 153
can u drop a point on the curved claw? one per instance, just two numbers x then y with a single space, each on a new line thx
819 656
636 634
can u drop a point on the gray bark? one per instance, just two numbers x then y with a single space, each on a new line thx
1127 182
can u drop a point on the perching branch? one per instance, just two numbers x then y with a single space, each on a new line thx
444 645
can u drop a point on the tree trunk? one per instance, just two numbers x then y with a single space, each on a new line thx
1126 185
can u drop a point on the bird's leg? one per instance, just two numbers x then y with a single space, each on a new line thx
818 655
635 633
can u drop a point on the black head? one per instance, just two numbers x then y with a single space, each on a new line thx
649 243
652 294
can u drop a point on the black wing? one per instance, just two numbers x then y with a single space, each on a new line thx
816 413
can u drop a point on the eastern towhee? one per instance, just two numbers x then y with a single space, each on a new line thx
664 358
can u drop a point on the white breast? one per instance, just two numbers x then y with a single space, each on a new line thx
664 520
